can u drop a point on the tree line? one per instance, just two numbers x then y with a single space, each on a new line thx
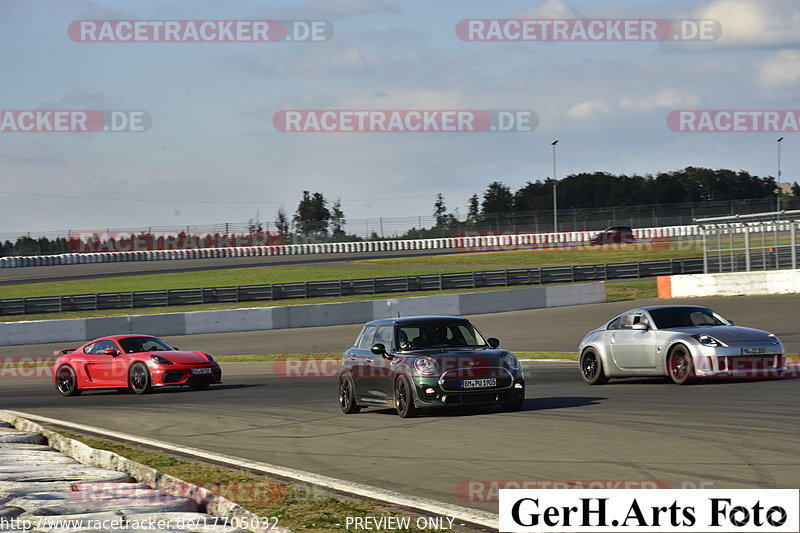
316 219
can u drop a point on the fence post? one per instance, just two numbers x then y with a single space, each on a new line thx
793 232
747 247
705 249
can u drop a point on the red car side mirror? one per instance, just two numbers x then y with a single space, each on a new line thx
111 351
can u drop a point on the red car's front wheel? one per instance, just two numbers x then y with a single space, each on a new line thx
67 381
139 378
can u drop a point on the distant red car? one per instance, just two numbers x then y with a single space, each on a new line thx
613 235
131 362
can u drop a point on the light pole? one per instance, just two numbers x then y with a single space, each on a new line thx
779 175
555 202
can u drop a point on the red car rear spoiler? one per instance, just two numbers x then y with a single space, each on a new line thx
59 353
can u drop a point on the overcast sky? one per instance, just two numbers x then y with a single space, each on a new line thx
213 155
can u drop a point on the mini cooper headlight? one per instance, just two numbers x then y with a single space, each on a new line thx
426 365
161 360
708 340
511 360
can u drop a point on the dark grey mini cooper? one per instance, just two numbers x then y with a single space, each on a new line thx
415 363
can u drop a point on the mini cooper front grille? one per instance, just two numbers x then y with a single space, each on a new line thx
452 380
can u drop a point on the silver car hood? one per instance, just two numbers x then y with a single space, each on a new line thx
726 334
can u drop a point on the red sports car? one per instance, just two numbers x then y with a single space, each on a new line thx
131 362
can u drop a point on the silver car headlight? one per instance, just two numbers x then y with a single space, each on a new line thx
426 365
708 340
773 338
511 360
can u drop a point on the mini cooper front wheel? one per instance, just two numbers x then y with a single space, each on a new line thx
591 368
404 398
347 396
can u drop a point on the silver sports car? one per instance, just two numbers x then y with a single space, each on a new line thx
680 341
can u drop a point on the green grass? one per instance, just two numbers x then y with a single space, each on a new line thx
631 290
300 509
586 255
210 278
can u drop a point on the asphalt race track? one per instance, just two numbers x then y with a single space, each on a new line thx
710 435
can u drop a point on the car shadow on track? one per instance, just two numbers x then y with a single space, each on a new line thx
531 404
168 390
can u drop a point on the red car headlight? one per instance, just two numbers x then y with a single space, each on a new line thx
161 360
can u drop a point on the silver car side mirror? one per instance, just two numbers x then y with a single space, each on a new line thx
641 326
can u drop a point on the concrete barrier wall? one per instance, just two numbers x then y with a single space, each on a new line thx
730 284
300 316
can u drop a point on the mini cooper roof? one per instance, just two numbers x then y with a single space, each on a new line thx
418 320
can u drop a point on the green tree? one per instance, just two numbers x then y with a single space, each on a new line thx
337 220
440 211
473 210
282 224
312 215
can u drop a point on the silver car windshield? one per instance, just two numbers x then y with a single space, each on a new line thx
423 336
679 317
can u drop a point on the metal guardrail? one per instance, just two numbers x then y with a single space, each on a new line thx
315 289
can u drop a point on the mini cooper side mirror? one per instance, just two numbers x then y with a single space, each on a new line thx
493 342
641 326
378 349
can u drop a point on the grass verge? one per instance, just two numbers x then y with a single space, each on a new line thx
299 508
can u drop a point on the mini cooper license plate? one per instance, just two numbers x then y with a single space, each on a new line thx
201 371
754 351
478 383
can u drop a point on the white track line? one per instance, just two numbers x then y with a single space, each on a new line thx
464 514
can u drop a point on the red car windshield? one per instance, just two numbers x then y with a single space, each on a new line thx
144 344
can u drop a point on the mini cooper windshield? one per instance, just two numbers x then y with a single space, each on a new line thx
681 317
425 336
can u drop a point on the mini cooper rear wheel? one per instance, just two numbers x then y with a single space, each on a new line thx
679 365
404 399
67 381
347 396
591 368
139 378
